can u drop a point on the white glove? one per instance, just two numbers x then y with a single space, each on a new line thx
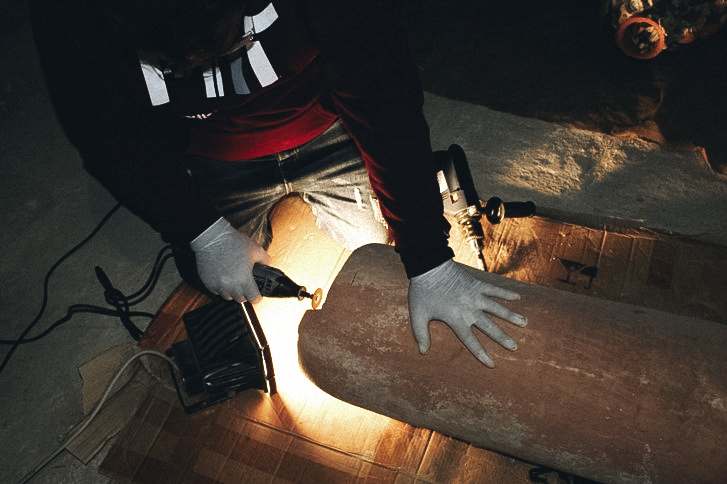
225 258
448 293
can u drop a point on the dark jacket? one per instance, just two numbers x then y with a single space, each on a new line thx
322 59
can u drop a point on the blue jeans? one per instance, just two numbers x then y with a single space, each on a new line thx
328 173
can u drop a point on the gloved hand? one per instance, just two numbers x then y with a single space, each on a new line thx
225 258
449 294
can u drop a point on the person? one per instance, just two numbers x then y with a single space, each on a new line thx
199 115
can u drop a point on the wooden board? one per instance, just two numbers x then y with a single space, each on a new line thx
610 391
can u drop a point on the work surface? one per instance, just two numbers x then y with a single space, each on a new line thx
614 392
300 434
481 54
304 435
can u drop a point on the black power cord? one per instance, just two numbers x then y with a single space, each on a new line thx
536 475
115 298
121 303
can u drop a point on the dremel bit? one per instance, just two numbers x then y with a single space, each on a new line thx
273 282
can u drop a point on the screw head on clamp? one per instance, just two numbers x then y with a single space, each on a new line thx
495 210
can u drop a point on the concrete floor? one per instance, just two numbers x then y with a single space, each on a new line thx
49 204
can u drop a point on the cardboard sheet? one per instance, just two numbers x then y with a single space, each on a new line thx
119 407
673 274
299 435
303 435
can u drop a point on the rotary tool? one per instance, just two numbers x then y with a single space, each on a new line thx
273 282
462 202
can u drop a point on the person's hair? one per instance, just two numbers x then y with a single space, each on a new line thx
175 29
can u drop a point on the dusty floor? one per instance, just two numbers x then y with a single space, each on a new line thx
480 63
557 61
583 176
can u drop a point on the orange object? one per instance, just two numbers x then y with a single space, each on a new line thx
641 37
688 37
708 29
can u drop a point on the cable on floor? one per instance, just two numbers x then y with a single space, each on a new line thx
121 303
87 421
44 303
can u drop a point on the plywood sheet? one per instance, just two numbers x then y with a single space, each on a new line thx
610 391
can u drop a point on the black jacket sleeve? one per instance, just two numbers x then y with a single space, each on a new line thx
134 153
378 95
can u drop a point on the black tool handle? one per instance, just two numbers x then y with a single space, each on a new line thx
273 282
496 210
461 192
